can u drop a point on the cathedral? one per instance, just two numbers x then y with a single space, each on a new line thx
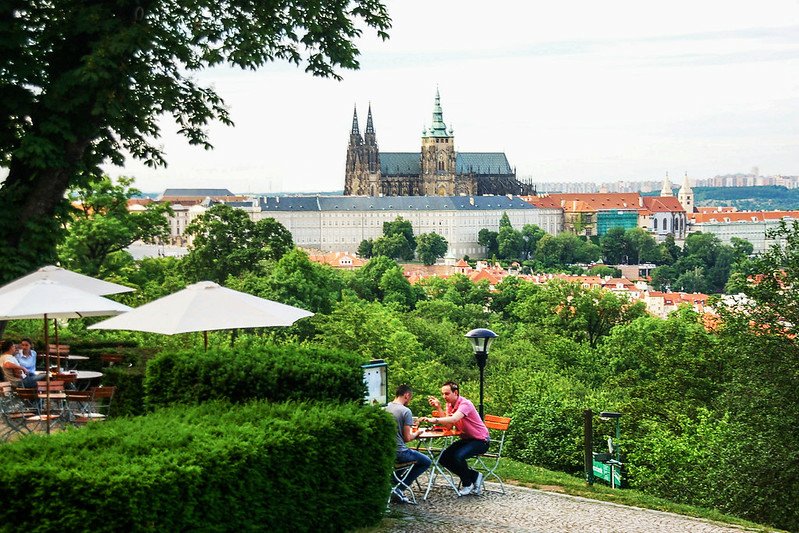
438 170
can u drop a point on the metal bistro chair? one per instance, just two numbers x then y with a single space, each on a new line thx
489 462
15 413
98 406
398 476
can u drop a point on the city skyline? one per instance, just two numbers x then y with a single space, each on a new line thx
577 92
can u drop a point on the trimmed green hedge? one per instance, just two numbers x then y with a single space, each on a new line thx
276 373
212 467
129 397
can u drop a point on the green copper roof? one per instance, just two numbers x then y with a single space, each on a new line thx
438 128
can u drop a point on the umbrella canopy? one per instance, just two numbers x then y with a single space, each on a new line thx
49 299
205 306
69 278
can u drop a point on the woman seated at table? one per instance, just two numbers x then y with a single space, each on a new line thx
473 438
26 357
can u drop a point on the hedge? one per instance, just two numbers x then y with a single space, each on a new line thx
276 373
212 467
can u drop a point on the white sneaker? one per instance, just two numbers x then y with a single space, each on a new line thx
400 496
478 484
465 491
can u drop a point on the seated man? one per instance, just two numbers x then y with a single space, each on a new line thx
399 410
474 437
12 370
26 357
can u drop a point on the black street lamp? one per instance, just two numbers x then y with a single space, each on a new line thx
481 340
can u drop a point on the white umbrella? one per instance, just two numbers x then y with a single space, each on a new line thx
49 299
205 306
69 278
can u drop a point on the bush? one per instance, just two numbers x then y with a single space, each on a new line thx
129 396
276 373
214 467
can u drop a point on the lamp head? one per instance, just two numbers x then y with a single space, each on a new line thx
481 340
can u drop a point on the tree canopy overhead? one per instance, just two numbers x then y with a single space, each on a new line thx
83 83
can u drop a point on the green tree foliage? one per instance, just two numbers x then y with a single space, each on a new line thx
704 265
87 83
488 238
531 235
102 225
400 226
633 246
759 338
564 249
510 243
227 243
294 280
365 248
585 314
430 246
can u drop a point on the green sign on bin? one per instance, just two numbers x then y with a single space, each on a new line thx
610 472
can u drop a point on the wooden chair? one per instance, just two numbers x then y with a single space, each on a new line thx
489 462
112 359
61 349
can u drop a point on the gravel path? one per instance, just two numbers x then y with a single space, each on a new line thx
531 510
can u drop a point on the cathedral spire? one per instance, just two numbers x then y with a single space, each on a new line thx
666 190
369 126
438 128
355 129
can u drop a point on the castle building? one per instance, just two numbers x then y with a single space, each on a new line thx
437 170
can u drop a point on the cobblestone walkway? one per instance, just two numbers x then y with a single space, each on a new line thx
530 510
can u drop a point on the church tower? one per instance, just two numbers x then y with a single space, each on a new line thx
667 187
362 176
438 156
686 195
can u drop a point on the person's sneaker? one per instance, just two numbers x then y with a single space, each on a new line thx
478 484
465 491
400 496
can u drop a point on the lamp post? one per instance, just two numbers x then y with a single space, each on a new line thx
481 340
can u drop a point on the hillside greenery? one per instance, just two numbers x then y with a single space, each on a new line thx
708 414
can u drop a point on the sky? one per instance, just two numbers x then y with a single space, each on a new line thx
576 90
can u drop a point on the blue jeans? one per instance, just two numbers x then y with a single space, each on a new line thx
454 458
422 463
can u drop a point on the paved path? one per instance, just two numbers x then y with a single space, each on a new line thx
530 510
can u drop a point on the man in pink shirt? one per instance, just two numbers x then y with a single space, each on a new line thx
474 437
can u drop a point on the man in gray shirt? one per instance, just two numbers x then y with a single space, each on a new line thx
399 410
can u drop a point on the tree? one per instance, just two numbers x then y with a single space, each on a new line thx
227 243
84 83
365 248
615 247
393 246
488 238
504 222
400 226
430 246
510 243
102 225
531 235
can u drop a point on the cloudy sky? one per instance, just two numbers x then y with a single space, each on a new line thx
571 91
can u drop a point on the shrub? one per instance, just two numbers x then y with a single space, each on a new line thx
213 467
276 373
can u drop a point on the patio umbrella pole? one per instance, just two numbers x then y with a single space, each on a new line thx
205 339
57 347
47 370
